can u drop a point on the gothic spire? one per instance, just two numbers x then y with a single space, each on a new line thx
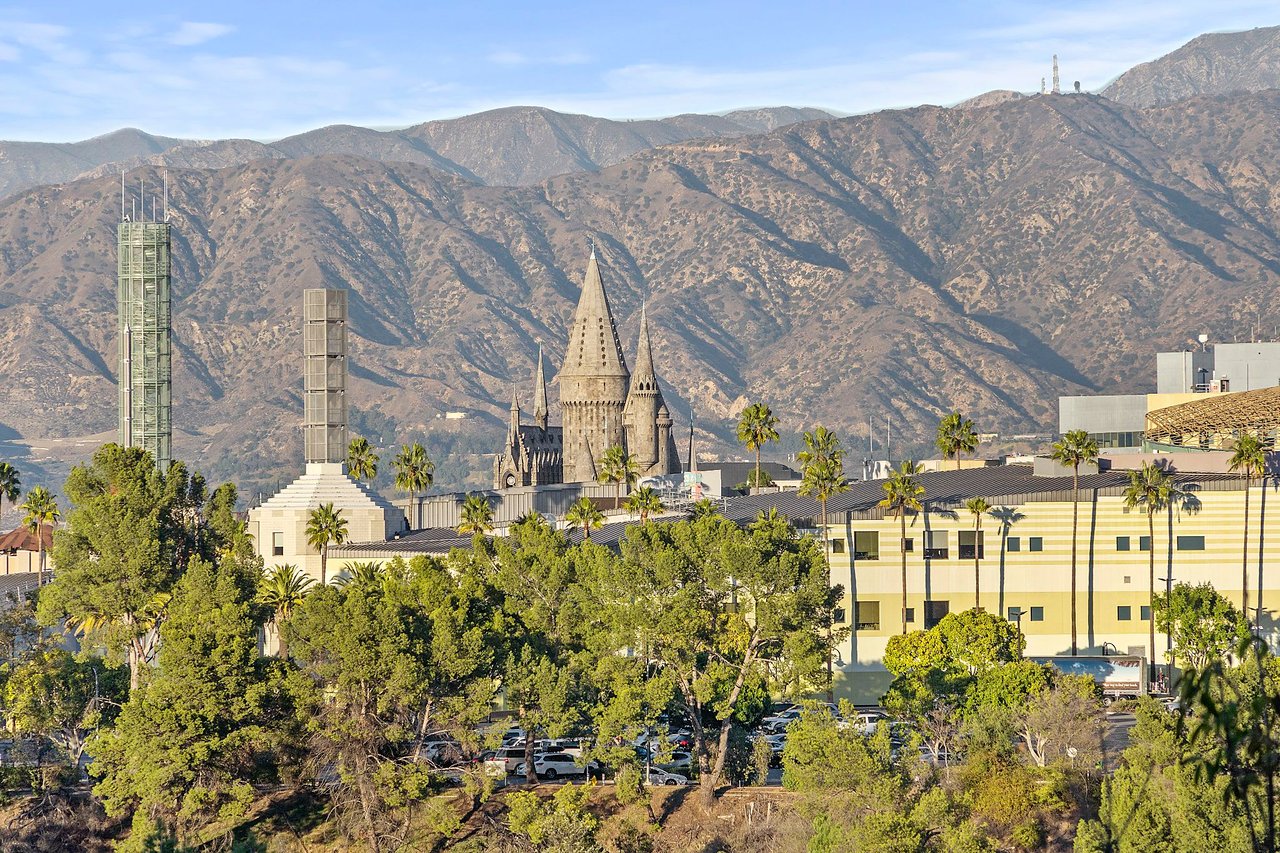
594 348
644 375
540 395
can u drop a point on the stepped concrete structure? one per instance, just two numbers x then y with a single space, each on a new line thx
602 403
279 526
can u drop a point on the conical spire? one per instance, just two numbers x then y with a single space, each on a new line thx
644 377
540 395
594 348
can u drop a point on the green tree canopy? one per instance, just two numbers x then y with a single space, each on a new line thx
1203 624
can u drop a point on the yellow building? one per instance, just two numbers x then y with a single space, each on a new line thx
1024 560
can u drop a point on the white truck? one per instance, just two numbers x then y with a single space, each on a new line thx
1117 676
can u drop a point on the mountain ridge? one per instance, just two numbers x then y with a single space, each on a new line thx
902 263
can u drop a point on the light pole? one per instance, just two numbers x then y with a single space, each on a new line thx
1168 634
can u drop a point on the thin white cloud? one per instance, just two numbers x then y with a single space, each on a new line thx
507 57
515 57
191 33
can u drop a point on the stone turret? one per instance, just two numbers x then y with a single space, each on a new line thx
540 395
593 381
644 402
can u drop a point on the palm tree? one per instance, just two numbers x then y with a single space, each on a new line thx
704 508
325 526
956 436
531 518
477 516
1152 489
282 591
643 501
756 428
414 471
10 485
823 473
583 513
1248 457
977 507
618 466
1075 449
362 462
902 493
367 574
41 511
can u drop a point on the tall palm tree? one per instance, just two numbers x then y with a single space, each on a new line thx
583 513
643 501
1248 457
477 516
1075 449
414 474
822 466
757 427
325 526
1152 489
617 466
955 436
41 511
977 507
282 591
362 461
902 494
10 485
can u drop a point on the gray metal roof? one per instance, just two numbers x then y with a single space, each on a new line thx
1001 485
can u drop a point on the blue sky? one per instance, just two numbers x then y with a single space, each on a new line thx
267 69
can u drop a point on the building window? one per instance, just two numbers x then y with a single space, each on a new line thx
1190 543
1144 612
1124 613
934 611
1037 614
911 616
1013 543
866 544
1122 543
277 544
868 615
966 540
935 545
1015 613
1035 543
837 546
908 545
1144 543
839 616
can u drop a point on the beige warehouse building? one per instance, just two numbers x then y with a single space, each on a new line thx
1024 560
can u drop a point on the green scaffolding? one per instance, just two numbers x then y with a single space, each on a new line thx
144 312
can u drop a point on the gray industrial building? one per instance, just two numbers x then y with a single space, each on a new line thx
1117 421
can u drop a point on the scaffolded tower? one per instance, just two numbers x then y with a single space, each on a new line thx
143 310
324 344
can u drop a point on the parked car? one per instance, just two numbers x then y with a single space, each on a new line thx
572 747
779 722
551 765
677 761
658 776
503 761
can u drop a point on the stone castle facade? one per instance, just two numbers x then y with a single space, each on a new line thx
602 401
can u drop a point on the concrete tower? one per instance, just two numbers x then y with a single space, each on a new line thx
143 313
324 348
647 419
593 381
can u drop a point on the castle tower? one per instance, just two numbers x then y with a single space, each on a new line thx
647 418
540 395
593 381
143 321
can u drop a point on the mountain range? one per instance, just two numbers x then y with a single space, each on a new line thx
900 264
513 146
